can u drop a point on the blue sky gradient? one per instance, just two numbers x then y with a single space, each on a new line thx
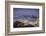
25 11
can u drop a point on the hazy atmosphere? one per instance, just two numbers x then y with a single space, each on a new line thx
25 17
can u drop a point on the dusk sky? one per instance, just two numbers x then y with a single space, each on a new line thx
25 11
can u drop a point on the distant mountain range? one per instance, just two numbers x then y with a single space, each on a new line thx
25 17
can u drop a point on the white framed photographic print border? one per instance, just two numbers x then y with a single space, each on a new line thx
27 30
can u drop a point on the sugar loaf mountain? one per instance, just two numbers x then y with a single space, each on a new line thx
26 21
